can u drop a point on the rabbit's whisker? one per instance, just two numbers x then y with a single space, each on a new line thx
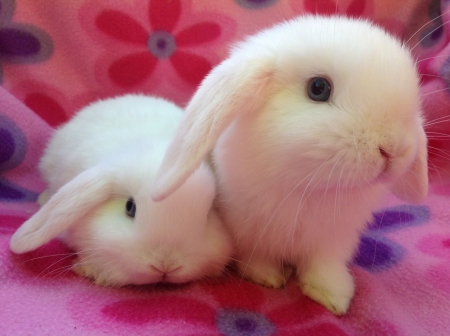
435 91
424 25
66 255
437 121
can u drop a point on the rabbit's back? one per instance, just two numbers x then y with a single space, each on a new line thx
103 130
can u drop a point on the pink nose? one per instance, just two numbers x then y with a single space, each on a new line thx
165 270
384 153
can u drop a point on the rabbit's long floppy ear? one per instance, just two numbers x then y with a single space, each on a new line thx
413 185
63 209
237 86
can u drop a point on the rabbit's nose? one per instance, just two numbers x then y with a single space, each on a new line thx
387 157
384 153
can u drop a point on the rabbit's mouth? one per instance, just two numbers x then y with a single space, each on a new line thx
384 176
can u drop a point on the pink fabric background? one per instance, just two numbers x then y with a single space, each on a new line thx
57 56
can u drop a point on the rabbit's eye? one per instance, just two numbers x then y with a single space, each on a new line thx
319 89
130 207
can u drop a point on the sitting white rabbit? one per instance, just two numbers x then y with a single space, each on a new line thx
313 122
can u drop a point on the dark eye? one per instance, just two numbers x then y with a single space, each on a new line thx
130 207
319 89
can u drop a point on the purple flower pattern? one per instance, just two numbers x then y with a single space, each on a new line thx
235 322
255 4
19 42
377 252
13 148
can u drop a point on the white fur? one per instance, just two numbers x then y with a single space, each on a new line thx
110 151
299 179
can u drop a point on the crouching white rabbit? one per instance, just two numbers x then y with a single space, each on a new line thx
313 122
100 167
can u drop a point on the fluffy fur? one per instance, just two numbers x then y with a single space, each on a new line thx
299 179
110 151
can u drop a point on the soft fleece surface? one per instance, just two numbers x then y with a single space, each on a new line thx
56 56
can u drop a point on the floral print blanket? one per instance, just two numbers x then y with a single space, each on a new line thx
57 56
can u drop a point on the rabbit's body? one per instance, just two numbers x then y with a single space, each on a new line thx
312 122
99 166
122 125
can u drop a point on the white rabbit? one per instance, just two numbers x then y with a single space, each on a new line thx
312 121
100 167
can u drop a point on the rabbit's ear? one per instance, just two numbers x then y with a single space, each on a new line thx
63 209
237 86
413 185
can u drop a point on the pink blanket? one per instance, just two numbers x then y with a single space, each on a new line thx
56 56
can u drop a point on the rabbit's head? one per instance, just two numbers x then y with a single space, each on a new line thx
319 101
121 235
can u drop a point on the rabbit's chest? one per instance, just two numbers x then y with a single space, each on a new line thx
293 226
279 225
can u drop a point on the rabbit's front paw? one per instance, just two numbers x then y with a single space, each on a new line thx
44 197
331 287
265 273
86 270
